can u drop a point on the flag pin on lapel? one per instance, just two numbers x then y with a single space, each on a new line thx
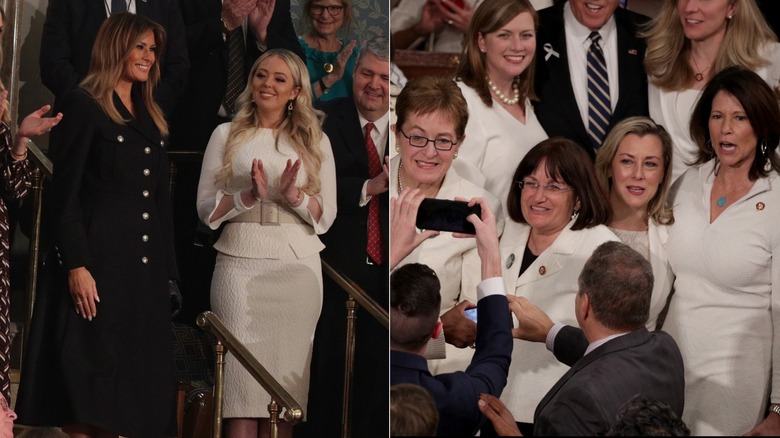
630 51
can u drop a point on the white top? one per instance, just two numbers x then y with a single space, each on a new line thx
726 301
495 143
455 260
577 46
407 13
551 284
241 239
673 109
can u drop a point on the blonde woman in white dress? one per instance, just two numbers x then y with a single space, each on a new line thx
269 177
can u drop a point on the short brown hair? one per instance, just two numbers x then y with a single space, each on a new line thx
568 162
428 94
413 411
415 301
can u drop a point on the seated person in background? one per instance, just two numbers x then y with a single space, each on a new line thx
413 411
643 417
613 356
414 308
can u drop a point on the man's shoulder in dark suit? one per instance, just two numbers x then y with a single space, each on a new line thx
589 396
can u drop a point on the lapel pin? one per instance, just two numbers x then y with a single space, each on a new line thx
542 270
548 48
760 206
510 261
632 52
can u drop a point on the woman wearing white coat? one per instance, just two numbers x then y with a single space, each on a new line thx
496 77
557 212
634 168
432 116
724 248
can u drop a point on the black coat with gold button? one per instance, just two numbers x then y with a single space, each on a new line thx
111 213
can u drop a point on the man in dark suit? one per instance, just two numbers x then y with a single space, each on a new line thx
210 24
70 30
414 312
561 76
347 251
613 356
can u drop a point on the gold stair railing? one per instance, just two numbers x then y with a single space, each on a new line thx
356 296
279 396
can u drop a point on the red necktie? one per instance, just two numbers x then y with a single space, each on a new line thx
374 246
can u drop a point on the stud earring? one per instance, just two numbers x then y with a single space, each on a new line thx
729 17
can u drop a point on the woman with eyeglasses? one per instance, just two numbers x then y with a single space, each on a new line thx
431 120
329 59
556 216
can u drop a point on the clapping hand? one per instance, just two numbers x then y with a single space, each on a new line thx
259 18
235 11
342 58
35 124
287 182
259 180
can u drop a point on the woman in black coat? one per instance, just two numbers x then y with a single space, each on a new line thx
100 361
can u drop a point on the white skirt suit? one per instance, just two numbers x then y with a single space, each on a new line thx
455 260
495 143
550 283
673 109
267 284
725 312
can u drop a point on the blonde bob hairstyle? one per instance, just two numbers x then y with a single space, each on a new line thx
489 17
666 59
658 210
302 126
116 39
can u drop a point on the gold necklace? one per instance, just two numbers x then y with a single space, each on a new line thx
700 74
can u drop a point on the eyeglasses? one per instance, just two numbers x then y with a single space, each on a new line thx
332 10
552 188
418 141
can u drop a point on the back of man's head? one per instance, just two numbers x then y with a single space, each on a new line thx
414 306
642 417
619 284
413 411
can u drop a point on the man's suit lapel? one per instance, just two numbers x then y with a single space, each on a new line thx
352 134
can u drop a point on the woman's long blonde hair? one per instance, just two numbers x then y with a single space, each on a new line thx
116 39
666 60
302 125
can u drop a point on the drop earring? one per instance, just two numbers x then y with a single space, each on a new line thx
290 107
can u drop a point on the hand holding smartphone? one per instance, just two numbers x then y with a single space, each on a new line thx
446 215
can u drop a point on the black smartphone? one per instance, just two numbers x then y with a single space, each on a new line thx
446 215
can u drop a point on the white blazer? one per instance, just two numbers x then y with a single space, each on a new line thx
551 284
455 260
662 272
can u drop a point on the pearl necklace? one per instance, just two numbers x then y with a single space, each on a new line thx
400 184
507 101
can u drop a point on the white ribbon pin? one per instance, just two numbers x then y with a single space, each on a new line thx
548 48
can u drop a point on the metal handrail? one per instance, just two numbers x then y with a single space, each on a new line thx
279 396
358 294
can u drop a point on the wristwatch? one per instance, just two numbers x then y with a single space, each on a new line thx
774 407
323 87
